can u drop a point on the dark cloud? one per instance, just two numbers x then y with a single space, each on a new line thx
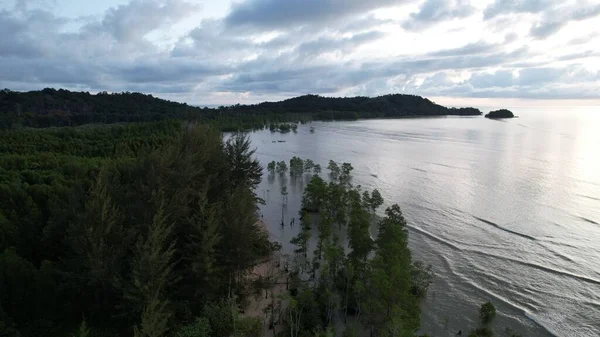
554 19
480 47
274 14
542 30
579 55
165 71
586 12
271 75
329 44
500 79
435 11
539 76
271 48
134 20
15 41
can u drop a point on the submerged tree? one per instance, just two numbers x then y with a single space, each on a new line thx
390 307
334 170
345 174
308 165
284 194
487 312
317 169
281 167
271 167
296 166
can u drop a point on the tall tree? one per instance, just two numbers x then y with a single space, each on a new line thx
391 308
151 276
334 170
100 245
245 170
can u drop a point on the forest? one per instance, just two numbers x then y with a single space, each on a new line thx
51 107
151 229
126 230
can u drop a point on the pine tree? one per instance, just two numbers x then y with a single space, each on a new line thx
390 307
99 243
201 249
151 275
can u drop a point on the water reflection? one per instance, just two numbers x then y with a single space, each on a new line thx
507 211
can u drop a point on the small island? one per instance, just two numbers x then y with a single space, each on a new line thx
502 113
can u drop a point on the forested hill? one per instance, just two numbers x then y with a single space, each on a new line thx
50 107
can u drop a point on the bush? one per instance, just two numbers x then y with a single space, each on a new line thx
482 332
200 328
487 312
249 327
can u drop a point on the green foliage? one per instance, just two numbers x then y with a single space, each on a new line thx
421 277
345 173
308 165
390 307
375 200
220 315
83 331
314 194
135 227
248 327
302 239
382 289
199 328
244 168
334 170
50 107
296 167
487 312
351 331
152 272
281 167
317 169
358 230
482 332
271 167
511 333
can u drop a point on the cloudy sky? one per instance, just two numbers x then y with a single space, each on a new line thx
222 52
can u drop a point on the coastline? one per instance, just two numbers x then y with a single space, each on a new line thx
267 303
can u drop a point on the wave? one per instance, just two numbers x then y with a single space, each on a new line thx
586 182
588 220
506 229
561 244
588 197
448 166
544 268
433 237
541 324
558 254
524 263
511 304
418 169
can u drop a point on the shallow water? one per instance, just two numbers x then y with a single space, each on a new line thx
506 211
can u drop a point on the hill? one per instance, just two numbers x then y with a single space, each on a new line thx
502 113
51 107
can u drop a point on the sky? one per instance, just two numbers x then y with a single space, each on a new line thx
216 52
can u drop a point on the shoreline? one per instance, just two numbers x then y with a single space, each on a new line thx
267 303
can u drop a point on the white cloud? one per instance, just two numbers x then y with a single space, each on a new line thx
268 49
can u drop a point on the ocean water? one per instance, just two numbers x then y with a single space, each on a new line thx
506 211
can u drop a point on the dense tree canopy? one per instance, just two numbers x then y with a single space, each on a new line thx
50 107
135 228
